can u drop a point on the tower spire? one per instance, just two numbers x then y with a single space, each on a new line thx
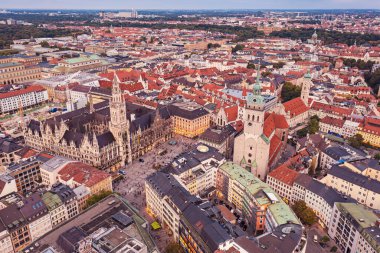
307 83
91 104
257 85
21 114
115 84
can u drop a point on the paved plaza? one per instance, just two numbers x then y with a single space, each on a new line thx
131 187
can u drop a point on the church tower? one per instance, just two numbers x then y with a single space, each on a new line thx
306 85
254 111
251 148
119 124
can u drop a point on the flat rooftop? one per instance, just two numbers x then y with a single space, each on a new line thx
98 216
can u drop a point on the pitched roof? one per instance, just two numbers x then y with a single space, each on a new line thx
284 174
231 112
29 89
332 121
82 174
332 109
295 107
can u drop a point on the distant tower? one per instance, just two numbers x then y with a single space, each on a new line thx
306 85
119 124
314 37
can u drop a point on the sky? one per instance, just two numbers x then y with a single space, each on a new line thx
190 4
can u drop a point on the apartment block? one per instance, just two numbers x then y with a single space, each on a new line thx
354 228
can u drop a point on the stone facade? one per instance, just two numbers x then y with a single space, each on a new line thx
106 135
264 135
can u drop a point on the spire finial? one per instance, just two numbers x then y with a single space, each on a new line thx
258 72
115 84
257 86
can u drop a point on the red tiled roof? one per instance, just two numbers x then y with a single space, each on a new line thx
82 174
295 107
332 109
269 125
274 148
332 121
29 89
231 112
280 121
372 129
284 174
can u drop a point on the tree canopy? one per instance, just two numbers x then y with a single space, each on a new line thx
356 141
290 91
329 37
278 65
237 48
373 79
313 125
97 197
174 248
360 64
213 45
8 33
305 213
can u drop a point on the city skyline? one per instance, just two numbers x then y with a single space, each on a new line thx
197 4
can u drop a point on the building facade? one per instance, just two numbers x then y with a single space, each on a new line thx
353 228
106 135
15 72
28 97
189 119
363 189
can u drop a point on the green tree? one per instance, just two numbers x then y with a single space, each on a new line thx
313 125
278 65
325 239
334 249
266 73
213 45
237 48
290 91
305 213
174 248
360 64
356 141
373 79
251 65
302 132
328 37
97 197
44 44
377 156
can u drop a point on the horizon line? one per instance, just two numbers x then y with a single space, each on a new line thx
204 9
